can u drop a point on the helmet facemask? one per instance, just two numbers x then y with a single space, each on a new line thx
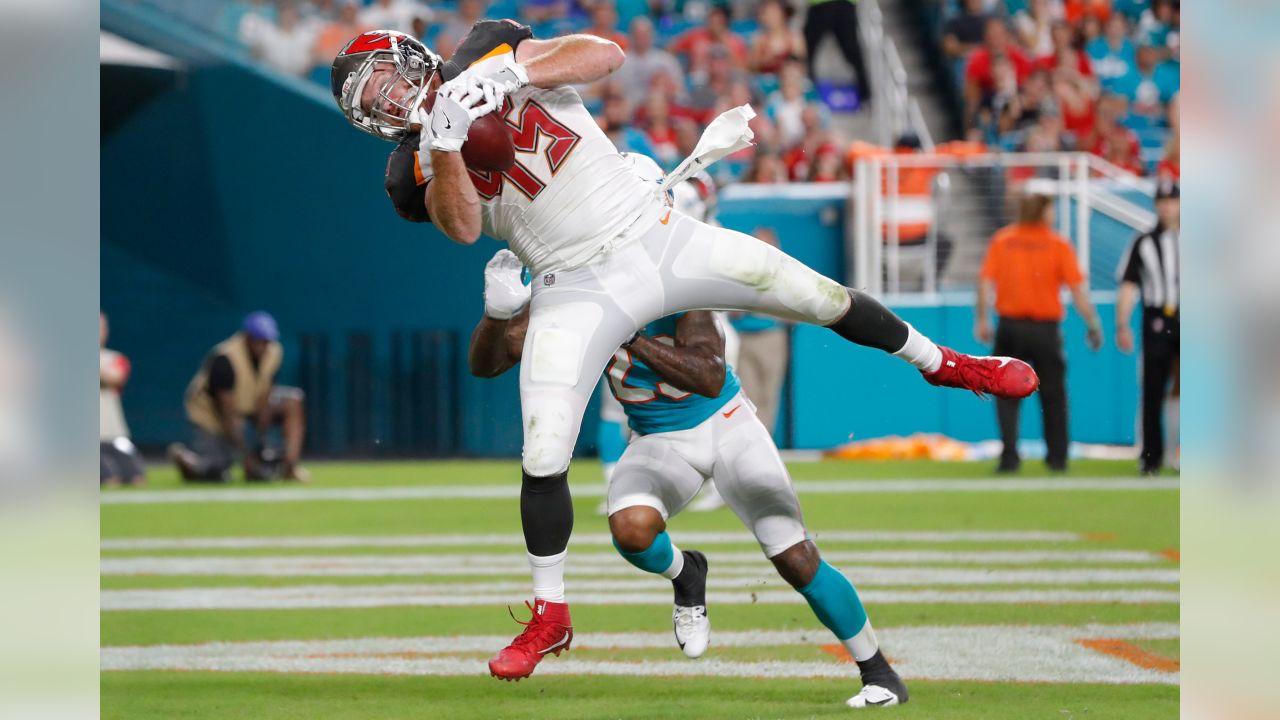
388 117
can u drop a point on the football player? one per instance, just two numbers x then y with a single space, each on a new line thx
689 423
607 255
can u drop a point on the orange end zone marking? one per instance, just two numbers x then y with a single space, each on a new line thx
1173 554
1130 653
1100 536
838 651
841 653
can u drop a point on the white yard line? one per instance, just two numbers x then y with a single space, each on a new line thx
490 492
516 540
424 595
981 653
609 565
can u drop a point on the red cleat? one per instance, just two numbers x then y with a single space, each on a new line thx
549 631
1000 376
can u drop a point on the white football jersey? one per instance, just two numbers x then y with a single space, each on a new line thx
570 194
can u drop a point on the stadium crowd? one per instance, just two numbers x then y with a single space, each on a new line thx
687 61
1100 76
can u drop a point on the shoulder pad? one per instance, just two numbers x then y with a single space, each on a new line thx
401 183
485 37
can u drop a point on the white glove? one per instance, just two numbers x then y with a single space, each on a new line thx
502 70
504 292
459 103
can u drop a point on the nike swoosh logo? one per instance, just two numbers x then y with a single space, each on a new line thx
563 641
447 125
665 218
731 412
880 702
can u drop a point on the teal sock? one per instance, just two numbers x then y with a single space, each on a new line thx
835 602
660 558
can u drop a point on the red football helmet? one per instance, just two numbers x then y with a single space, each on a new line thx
402 91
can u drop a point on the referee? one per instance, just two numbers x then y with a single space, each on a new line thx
1027 265
1150 267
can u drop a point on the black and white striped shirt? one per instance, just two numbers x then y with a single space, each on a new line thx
1151 262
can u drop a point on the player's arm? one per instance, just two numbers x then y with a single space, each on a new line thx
452 202
696 361
568 60
496 345
498 340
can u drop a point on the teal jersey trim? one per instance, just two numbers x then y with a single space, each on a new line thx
653 405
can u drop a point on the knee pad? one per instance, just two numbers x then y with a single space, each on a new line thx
544 456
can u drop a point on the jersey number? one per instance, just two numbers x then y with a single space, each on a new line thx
527 128
620 367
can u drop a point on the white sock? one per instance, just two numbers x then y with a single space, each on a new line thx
677 564
920 352
548 576
864 644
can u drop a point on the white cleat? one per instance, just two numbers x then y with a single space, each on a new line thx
873 696
693 629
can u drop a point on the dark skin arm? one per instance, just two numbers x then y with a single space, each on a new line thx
695 363
496 344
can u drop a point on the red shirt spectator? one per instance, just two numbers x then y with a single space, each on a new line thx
693 42
978 73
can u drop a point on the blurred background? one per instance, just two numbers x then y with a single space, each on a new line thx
894 138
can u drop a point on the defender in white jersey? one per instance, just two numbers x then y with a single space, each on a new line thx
610 257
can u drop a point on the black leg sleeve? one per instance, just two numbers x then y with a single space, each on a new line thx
546 513
870 323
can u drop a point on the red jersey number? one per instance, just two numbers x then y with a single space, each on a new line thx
528 126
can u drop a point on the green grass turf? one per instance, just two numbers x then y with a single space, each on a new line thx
1138 520
202 696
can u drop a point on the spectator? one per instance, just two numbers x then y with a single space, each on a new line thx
763 354
234 384
786 104
963 33
1034 26
815 140
317 14
980 79
655 120
839 18
696 42
1150 270
766 167
252 19
604 24
469 13
334 36
1108 129
1073 94
776 41
715 84
1079 12
1159 27
1113 54
286 44
393 14
1150 85
615 119
1065 54
118 460
1025 106
1026 266
643 61
1089 29
537 12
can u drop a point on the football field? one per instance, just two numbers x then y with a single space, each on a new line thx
380 589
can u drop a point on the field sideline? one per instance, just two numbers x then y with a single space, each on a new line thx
378 590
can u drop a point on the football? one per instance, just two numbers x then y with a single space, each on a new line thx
488 145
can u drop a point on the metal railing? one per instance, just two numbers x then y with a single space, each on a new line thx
1093 197
894 108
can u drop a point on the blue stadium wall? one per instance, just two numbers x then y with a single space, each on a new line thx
232 191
